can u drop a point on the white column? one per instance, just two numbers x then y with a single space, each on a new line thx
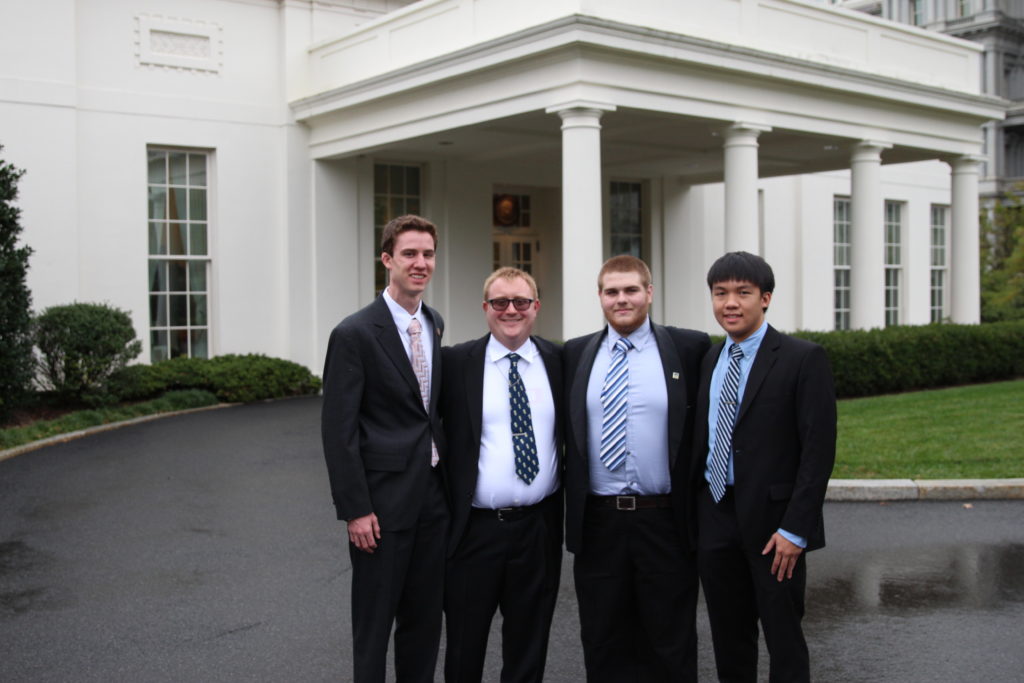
867 237
965 286
741 214
581 215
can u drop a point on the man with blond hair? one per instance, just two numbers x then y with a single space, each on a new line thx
501 407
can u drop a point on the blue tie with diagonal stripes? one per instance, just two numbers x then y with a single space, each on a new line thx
615 407
524 444
719 467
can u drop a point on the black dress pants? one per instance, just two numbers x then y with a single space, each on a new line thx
740 590
401 584
637 591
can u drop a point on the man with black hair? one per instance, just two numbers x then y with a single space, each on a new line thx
766 433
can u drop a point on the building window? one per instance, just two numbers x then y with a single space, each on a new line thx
841 260
179 256
626 219
893 261
396 192
965 8
917 12
940 219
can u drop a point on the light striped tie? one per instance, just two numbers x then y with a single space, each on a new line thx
615 407
524 444
419 366
719 467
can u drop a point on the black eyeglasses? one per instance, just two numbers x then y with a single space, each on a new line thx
502 303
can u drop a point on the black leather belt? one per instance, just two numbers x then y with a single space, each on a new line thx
508 514
629 503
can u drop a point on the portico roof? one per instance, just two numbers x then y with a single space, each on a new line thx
439 79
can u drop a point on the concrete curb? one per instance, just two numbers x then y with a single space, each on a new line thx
62 438
924 489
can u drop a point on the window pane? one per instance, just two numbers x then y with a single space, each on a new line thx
197 205
157 202
158 168
412 180
197 169
177 163
380 179
157 239
158 276
197 310
199 345
158 350
412 205
197 240
178 310
197 276
380 211
396 207
176 236
179 343
158 311
396 180
176 204
176 275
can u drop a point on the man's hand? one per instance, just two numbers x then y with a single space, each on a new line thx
786 555
364 532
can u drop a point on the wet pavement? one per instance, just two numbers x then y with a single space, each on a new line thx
203 547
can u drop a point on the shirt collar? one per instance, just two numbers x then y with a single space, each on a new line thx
401 316
638 337
496 350
751 344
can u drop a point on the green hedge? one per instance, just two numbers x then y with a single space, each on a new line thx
895 359
231 378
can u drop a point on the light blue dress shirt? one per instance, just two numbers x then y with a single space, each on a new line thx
749 347
646 468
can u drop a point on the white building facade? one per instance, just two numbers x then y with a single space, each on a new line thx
221 168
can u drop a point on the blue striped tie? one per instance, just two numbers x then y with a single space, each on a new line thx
719 467
615 407
524 444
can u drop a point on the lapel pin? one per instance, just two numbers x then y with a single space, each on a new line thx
675 375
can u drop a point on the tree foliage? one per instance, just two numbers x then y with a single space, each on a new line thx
1002 259
16 363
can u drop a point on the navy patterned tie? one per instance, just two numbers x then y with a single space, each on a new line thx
524 445
615 407
719 467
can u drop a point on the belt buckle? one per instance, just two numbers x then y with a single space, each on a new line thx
498 512
627 503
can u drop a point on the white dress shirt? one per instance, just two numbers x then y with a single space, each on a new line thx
497 485
402 319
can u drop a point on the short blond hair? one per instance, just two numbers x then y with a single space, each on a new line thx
624 263
509 273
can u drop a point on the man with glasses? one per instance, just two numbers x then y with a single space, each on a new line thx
631 391
501 407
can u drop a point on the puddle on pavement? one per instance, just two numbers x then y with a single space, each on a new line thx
964 576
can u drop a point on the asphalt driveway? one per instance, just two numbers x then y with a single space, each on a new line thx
203 547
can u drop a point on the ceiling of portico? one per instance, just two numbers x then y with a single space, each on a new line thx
635 144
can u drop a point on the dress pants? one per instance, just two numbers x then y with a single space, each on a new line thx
512 564
401 583
637 591
740 590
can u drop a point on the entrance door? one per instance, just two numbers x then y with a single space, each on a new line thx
516 249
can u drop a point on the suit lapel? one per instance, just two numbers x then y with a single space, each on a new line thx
674 385
554 371
766 356
474 384
391 343
578 394
435 353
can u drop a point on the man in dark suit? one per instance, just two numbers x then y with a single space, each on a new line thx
383 440
631 393
501 407
765 448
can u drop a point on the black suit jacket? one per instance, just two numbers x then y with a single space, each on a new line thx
375 430
784 440
681 351
462 410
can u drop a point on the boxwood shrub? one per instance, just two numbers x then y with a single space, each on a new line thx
231 378
895 359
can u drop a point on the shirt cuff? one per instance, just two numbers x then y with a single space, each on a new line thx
793 538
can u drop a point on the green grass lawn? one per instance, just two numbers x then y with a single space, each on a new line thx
970 432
